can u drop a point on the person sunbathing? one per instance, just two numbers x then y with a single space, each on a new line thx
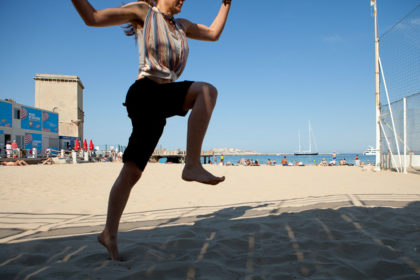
14 163
47 161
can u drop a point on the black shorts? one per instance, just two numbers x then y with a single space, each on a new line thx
148 105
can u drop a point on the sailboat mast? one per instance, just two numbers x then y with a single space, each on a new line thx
310 147
299 140
306 152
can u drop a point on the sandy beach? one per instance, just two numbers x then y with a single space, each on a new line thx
267 222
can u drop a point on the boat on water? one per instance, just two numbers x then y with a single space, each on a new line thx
308 152
371 151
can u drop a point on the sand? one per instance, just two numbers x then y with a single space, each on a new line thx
267 222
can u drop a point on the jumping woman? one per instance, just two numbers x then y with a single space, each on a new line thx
163 52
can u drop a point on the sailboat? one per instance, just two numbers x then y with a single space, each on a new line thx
309 152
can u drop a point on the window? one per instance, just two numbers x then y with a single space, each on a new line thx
53 143
16 113
20 141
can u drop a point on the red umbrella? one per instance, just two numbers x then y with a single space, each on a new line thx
84 145
77 145
91 145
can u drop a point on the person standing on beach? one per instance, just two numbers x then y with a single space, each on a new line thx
8 150
163 52
356 160
15 151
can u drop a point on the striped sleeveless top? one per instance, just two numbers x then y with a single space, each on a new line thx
162 54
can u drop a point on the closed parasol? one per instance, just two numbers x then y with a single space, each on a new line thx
91 145
77 145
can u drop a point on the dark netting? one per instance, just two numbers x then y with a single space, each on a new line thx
400 57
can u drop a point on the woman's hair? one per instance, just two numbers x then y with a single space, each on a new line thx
129 29
150 2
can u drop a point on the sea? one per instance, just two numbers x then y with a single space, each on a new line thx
306 160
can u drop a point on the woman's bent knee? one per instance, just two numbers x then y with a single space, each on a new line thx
211 90
209 93
200 90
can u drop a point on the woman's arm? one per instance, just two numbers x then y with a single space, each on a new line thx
205 33
114 16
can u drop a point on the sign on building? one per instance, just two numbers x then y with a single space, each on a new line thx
6 114
30 118
49 122
33 140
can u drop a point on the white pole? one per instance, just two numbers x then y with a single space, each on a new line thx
405 134
74 156
390 112
389 147
377 92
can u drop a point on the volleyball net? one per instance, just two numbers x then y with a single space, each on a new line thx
400 94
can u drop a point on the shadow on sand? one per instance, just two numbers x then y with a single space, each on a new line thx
236 243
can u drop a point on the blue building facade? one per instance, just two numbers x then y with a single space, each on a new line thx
30 127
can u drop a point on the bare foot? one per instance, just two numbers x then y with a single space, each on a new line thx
199 174
110 244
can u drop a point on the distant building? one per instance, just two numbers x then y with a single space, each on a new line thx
28 126
62 94
55 122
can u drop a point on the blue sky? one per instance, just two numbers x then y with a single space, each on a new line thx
277 65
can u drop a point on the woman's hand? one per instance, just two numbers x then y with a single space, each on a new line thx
205 33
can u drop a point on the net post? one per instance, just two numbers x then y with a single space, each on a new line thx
377 91
405 134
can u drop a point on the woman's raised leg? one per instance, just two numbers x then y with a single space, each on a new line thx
201 98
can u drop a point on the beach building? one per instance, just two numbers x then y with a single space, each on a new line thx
55 122
62 94
30 127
